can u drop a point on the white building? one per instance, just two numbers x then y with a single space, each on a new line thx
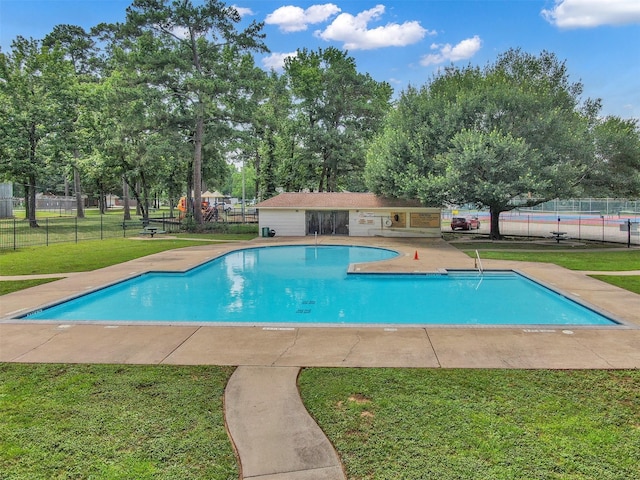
350 214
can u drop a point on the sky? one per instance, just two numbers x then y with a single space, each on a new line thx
406 42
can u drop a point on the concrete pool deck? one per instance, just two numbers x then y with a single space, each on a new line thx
430 346
272 433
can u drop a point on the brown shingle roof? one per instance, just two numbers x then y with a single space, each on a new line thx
343 200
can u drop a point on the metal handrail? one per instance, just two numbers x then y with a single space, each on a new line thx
478 263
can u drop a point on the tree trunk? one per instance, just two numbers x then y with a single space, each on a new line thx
30 202
138 200
125 198
190 189
495 223
102 199
77 190
30 194
144 201
197 170
322 178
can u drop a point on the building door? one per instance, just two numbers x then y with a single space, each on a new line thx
341 222
313 223
327 222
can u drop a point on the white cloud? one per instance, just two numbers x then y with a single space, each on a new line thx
295 19
446 53
243 11
275 61
592 13
353 31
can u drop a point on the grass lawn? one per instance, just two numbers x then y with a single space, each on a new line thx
628 282
83 256
8 286
618 260
479 424
113 422
122 422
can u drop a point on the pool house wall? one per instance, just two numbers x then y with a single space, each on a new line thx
352 214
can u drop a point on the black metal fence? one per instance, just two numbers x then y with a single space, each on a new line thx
16 233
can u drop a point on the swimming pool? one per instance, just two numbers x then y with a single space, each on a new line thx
311 285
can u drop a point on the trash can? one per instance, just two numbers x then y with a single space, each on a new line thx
265 232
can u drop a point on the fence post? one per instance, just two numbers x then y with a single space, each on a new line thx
46 230
579 227
76 223
15 234
101 236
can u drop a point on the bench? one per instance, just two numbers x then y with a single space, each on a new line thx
148 230
559 236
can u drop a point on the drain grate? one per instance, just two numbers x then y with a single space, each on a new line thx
303 310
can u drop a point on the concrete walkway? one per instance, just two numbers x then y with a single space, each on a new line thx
273 434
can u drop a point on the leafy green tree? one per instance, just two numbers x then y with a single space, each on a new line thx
337 111
243 182
616 169
136 143
511 134
194 52
259 143
74 140
35 81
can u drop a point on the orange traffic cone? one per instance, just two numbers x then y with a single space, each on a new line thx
415 256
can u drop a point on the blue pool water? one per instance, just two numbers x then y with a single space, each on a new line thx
310 285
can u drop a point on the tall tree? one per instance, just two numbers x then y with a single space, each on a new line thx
79 49
259 145
509 135
338 110
137 142
198 45
35 80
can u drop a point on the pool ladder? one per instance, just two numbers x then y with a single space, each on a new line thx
478 263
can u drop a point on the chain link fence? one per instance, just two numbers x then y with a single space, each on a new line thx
623 228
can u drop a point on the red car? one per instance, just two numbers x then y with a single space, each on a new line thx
465 223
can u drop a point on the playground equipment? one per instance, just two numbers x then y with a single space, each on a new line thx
210 212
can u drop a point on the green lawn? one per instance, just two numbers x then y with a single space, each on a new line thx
82 256
479 424
123 422
603 260
8 286
628 282
113 422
